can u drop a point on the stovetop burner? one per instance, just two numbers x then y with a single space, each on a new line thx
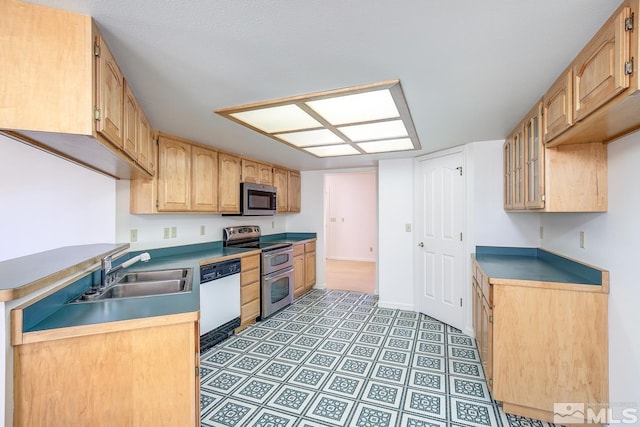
248 236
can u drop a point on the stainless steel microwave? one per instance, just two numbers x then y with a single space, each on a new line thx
257 199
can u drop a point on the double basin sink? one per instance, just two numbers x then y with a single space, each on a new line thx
136 284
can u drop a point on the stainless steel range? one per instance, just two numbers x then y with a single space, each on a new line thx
276 266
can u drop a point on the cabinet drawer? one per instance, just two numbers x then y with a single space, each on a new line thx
249 292
310 247
250 311
249 262
248 277
298 250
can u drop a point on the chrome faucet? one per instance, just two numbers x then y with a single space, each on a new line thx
107 272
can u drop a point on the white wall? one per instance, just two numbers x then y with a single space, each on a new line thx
611 243
48 202
396 250
352 216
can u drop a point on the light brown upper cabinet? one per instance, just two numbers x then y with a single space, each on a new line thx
63 86
257 172
600 71
281 182
174 175
514 185
534 159
293 183
130 123
204 180
146 145
229 178
507 158
558 107
594 98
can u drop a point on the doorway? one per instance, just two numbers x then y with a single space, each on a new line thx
351 224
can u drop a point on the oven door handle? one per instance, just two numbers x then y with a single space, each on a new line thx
278 273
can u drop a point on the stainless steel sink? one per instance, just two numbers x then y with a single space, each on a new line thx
137 284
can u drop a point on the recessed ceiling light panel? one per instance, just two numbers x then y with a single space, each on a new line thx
278 119
361 107
379 130
308 138
371 118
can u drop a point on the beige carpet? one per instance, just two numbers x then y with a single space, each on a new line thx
354 276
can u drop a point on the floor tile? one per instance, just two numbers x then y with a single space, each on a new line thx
334 359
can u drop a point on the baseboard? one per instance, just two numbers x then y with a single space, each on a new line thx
396 305
333 258
319 286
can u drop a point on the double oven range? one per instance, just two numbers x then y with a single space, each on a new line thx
276 266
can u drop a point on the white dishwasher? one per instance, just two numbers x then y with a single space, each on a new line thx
219 301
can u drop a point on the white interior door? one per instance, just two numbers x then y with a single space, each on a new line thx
440 250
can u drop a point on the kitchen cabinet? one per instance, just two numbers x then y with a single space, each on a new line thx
204 180
298 270
256 172
112 377
229 183
540 341
599 70
65 92
146 144
566 178
174 175
293 189
281 182
558 107
249 290
304 267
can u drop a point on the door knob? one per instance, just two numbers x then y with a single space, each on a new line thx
421 244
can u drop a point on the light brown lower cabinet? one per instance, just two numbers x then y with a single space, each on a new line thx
139 377
304 267
541 343
249 290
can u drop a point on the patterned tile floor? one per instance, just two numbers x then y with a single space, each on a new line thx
333 358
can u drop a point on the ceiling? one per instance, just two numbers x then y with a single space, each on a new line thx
469 69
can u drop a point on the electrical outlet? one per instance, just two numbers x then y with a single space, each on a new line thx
174 232
202 230
582 244
273 224
167 232
541 232
134 235
407 228
370 248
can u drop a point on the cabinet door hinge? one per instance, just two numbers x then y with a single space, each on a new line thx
628 67
197 371
628 23
491 381
491 319
459 169
96 113
543 198
157 204
461 237
96 49
460 302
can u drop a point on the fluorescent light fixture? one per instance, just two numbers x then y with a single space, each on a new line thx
361 107
386 145
371 118
332 150
370 131
278 119
311 137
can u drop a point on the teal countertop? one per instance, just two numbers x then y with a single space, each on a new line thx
534 264
53 311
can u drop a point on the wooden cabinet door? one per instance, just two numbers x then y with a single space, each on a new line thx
299 283
518 170
507 158
174 175
109 95
265 174
130 123
309 270
145 143
280 181
249 171
599 69
229 183
204 180
557 106
534 160
485 346
294 192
